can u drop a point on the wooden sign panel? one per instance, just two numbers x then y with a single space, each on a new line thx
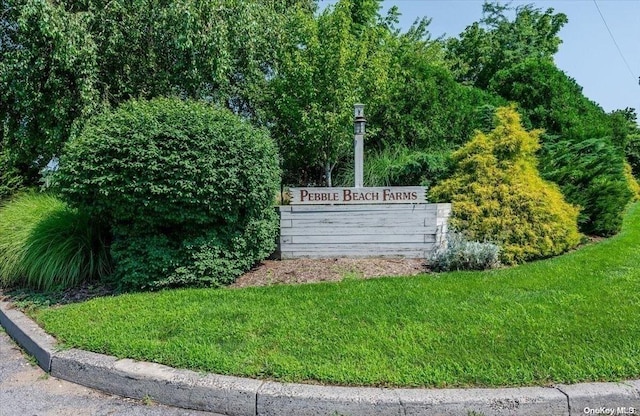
347 196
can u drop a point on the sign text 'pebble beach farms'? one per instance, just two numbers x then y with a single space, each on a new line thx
368 195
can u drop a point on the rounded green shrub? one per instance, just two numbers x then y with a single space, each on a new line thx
497 194
187 188
46 245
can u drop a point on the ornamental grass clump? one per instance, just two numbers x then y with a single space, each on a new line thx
498 195
187 189
45 244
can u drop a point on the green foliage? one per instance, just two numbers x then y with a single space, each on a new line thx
328 63
591 175
10 179
337 59
46 245
426 108
634 186
623 124
47 82
632 142
221 51
551 100
187 187
63 61
589 171
632 152
399 165
497 43
498 194
460 254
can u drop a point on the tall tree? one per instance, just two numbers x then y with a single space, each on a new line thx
496 42
331 62
47 82
63 61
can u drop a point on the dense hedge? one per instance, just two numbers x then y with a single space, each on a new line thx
591 175
498 195
551 100
187 188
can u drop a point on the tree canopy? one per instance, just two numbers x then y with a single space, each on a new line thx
293 68
61 62
497 42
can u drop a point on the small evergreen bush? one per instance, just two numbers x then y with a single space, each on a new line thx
460 254
632 181
46 245
591 175
498 195
187 188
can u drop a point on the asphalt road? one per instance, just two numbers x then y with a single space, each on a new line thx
26 390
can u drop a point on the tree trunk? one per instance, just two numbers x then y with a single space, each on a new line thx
327 173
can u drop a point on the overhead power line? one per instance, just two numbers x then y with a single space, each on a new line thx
615 42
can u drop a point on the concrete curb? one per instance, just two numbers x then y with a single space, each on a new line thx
28 334
235 396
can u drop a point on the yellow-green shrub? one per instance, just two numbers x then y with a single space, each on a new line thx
633 183
498 195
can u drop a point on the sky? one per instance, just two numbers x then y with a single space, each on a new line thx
588 52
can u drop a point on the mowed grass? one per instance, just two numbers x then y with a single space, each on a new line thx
569 319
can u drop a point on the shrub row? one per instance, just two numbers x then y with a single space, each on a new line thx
186 191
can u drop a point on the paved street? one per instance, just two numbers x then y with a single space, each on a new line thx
26 390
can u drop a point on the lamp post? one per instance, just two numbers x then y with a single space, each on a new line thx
358 126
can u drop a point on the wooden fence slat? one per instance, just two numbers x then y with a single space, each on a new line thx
382 222
357 214
318 231
331 247
410 254
357 238
357 230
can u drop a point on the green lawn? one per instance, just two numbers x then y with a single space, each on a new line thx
569 319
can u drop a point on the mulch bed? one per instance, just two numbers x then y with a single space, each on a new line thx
271 272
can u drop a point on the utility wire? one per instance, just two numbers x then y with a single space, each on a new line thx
615 43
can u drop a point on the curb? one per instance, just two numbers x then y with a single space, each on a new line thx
236 396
